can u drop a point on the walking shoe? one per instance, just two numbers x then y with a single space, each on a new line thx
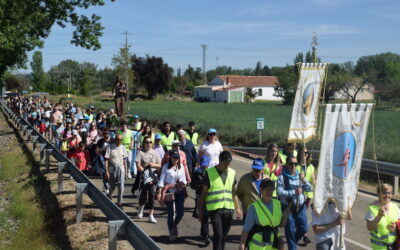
306 241
206 239
171 236
140 214
152 220
175 231
129 175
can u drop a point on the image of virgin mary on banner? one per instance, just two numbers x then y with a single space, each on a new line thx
341 154
303 125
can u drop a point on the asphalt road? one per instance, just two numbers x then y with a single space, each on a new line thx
356 237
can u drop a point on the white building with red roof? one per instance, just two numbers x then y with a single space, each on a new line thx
233 88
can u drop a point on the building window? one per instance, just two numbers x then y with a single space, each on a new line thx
259 92
215 95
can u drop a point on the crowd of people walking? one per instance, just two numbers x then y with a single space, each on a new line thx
271 200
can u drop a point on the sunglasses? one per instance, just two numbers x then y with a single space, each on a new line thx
213 134
118 139
292 163
148 142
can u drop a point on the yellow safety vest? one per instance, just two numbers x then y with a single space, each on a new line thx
137 126
265 217
126 139
381 235
219 194
271 175
167 141
309 177
194 138
284 157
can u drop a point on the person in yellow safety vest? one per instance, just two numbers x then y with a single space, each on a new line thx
137 125
192 135
264 216
273 167
147 131
220 199
167 136
177 128
288 151
127 142
381 218
305 167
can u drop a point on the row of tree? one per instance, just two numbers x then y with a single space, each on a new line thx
152 75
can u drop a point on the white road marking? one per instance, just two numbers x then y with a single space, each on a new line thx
357 244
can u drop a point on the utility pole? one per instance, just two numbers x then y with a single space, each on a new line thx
204 63
216 59
314 44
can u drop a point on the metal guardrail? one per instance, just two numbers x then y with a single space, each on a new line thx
385 168
119 223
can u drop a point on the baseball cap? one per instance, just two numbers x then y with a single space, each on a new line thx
205 161
212 130
258 164
175 142
87 117
174 154
74 132
157 137
136 116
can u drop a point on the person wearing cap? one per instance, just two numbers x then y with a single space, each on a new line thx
248 189
137 125
167 136
192 134
183 160
157 146
172 183
219 198
148 162
116 169
75 140
211 147
291 186
264 216
189 149
196 184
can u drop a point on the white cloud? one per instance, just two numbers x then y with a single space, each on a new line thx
324 29
386 15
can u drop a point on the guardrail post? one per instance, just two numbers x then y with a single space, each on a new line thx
60 166
42 146
34 141
24 127
113 228
47 153
80 190
396 185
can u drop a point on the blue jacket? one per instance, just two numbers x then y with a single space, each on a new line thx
285 192
190 152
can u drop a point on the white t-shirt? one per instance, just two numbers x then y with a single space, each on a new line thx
212 150
330 214
171 176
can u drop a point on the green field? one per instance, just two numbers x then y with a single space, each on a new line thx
236 122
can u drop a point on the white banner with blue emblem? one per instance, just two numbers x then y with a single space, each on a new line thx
341 154
303 125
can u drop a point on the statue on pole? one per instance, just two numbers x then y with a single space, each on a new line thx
120 94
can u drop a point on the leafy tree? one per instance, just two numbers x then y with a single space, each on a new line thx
287 83
258 70
16 82
60 75
375 70
38 74
25 24
153 74
86 88
339 78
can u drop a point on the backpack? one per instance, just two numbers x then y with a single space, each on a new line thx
148 176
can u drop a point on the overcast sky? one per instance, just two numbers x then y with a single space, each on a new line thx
238 33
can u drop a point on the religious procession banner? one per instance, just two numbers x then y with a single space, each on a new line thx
340 158
303 125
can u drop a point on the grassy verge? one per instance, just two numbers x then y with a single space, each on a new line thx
22 220
236 122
